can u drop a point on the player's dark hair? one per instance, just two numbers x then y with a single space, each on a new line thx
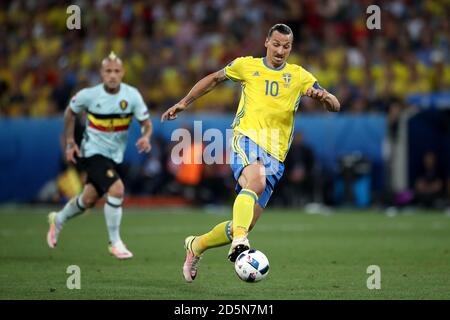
281 28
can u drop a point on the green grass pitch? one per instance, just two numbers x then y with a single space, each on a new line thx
311 256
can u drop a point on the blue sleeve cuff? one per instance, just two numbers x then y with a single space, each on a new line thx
316 85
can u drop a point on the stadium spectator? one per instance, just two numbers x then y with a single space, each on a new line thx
216 185
186 166
429 186
298 184
149 177
42 62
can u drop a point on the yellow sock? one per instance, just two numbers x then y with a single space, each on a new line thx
243 212
218 236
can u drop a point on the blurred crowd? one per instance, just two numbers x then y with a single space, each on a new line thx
168 45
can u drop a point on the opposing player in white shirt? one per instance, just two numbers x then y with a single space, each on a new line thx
110 107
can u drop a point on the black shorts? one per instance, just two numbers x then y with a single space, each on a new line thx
101 172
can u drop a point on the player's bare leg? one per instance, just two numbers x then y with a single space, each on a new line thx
219 235
113 217
253 183
74 207
257 211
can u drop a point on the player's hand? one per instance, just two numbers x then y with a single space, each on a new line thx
72 151
143 145
317 94
171 113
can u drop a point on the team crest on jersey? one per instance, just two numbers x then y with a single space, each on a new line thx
287 79
123 104
110 173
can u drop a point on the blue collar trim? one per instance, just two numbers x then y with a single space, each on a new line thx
272 68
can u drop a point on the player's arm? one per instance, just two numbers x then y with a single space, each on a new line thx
143 143
201 88
141 113
329 101
71 148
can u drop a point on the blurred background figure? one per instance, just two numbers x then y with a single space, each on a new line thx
43 63
71 178
393 85
188 169
353 182
298 187
149 177
429 186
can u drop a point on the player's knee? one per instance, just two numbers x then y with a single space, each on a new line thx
117 190
258 185
89 200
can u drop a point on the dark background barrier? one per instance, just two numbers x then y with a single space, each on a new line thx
428 131
31 153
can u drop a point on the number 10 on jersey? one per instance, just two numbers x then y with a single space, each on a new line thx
272 88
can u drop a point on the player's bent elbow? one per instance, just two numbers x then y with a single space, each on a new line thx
337 107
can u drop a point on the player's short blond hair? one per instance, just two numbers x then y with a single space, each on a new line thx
111 57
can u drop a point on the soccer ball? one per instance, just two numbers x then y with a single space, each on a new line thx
252 266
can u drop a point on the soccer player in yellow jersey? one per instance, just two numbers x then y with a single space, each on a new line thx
262 133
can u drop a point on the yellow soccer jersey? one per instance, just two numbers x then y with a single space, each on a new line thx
269 100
